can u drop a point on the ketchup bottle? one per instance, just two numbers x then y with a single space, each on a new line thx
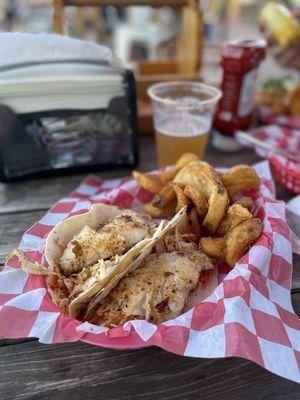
240 61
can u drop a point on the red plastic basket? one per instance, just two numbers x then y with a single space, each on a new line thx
286 173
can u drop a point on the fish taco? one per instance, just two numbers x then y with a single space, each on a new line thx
109 266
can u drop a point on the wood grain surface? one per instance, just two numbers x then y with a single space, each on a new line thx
30 370
42 193
80 371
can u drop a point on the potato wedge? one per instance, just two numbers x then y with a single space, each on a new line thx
182 199
240 238
202 176
241 177
167 176
165 196
194 223
245 201
234 245
150 182
198 198
156 212
235 215
185 159
214 247
224 226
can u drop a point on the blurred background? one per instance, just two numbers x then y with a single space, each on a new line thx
142 33
160 41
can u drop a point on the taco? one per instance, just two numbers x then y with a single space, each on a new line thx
107 260
85 252
171 280
106 274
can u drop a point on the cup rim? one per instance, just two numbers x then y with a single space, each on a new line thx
217 94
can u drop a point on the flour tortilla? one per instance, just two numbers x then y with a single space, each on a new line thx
64 232
203 290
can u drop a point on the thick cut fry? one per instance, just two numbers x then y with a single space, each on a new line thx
185 159
214 247
224 226
182 199
245 201
167 176
240 238
171 195
194 223
156 212
231 247
150 182
203 177
238 214
165 197
240 177
235 215
198 198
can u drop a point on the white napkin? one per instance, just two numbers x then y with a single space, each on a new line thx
17 48
48 84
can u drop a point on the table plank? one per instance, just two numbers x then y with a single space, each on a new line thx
41 194
35 195
76 371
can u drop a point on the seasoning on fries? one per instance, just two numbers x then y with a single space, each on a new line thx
224 222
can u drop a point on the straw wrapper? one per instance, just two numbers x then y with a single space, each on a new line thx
249 315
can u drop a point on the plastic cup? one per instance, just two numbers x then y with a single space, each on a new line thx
183 113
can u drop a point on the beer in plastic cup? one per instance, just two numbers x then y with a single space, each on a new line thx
182 113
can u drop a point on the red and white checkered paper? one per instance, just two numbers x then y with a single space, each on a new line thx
278 137
267 116
249 315
283 138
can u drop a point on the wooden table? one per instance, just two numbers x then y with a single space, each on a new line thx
30 370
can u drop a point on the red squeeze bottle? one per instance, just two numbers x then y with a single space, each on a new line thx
240 60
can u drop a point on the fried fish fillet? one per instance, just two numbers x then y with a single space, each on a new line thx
115 237
157 291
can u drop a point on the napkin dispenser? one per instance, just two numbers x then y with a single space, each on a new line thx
65 115
95 133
